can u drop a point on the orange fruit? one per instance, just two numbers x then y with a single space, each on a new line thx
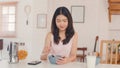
22 54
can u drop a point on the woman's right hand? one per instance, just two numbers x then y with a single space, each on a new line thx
43 57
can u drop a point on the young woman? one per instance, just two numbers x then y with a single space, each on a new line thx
62 40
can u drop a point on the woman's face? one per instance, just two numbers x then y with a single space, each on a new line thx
61 22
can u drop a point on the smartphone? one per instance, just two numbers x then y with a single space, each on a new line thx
34 62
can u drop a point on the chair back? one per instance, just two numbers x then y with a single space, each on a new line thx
81 56
109 51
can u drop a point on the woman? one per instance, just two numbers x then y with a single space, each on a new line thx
62 40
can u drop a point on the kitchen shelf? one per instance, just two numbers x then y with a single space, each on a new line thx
114 8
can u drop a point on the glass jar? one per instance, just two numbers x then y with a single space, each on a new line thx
22 52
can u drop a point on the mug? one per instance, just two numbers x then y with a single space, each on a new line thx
53 58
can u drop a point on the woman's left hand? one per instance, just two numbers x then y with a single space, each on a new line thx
62 60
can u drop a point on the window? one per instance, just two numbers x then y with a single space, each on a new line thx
8 19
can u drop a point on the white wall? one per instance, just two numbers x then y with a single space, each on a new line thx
30 33
96 23
38 36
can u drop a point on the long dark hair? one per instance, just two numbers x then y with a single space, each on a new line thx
69 30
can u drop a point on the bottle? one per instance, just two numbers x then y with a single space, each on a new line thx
13 53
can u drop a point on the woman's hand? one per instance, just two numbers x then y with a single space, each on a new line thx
62 60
